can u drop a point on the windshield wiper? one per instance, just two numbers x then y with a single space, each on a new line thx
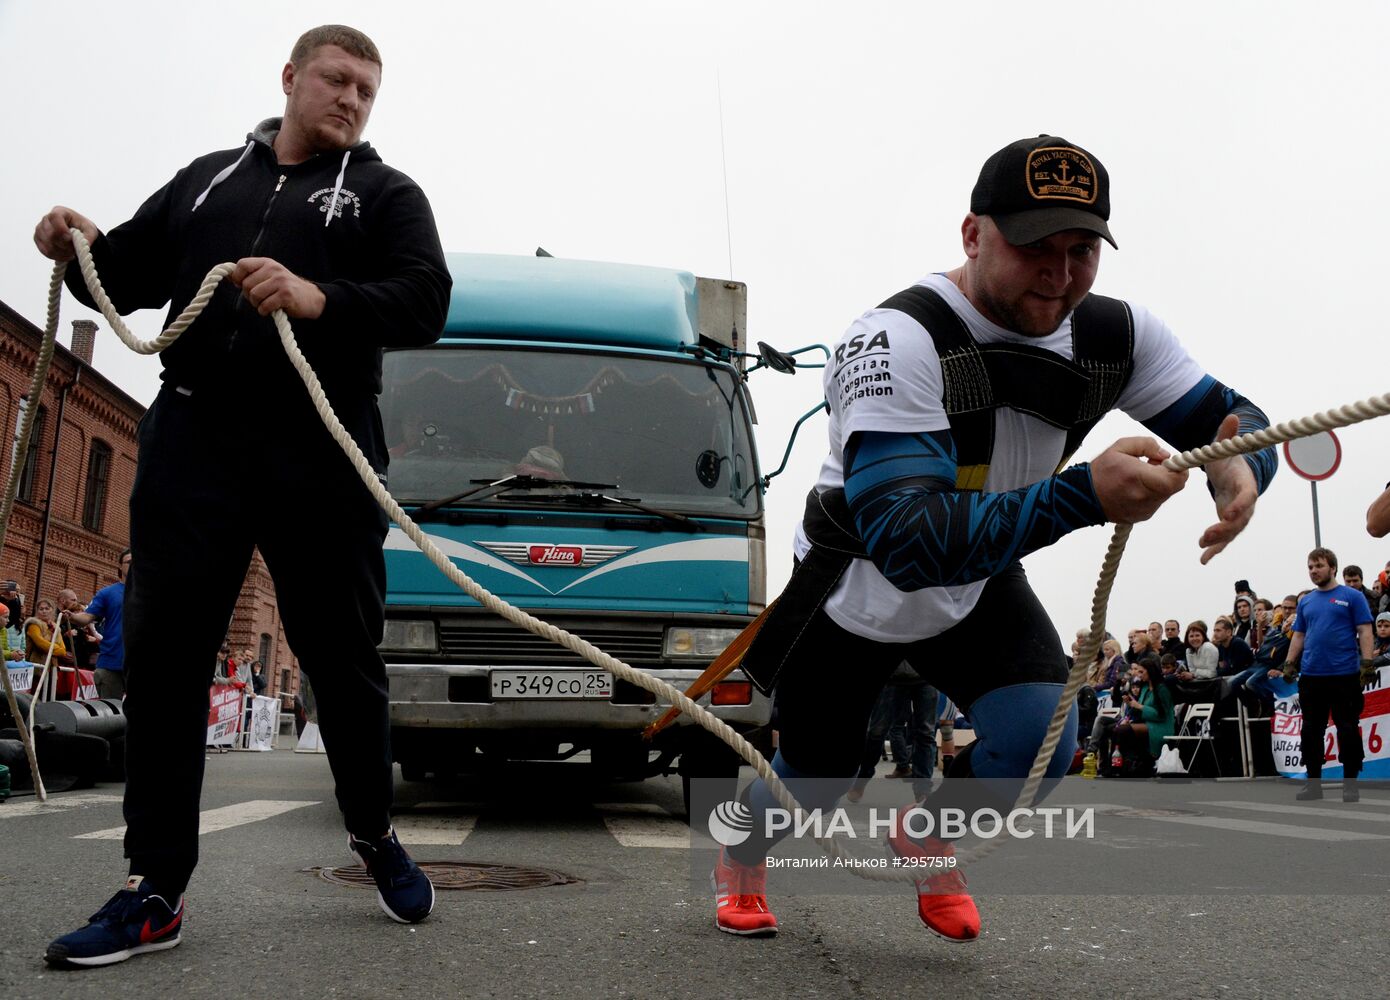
513 482
576 491
668 515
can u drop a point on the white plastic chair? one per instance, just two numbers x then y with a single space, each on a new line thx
1196 729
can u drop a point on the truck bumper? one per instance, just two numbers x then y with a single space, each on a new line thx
430 695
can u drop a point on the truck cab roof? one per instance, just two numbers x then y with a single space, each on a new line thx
506 297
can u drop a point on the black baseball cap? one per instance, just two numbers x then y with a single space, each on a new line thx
1033 188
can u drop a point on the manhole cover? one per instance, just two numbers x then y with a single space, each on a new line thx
474 875
1154 813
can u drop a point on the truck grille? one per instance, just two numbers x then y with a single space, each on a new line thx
507 644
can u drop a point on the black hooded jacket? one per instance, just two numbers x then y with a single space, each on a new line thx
359 229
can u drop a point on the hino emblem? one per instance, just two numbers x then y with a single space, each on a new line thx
552 554
556 555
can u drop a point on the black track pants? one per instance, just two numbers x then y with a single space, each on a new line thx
213 483
1341 696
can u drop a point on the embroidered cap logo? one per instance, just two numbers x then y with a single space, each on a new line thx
1061 173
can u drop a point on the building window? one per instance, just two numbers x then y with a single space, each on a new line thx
264 654
285 681
31 458
98 472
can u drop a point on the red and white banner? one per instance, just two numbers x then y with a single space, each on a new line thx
1287 728
224 715
63 684
86 685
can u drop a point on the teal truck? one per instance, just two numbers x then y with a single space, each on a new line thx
580 443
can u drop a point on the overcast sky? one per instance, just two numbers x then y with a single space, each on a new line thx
1245 143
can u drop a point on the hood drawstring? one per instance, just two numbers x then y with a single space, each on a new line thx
226 172
337 186
222 175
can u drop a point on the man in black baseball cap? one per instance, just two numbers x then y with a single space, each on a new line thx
1037 216
1033 188
955 409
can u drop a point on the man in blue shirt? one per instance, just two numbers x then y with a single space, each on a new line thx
1332 645
105 609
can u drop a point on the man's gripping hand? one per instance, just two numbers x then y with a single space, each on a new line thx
269 285
51 235
1130 481
1234 488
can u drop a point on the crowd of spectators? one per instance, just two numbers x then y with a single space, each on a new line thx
240 670
1240 657
65 633
47 636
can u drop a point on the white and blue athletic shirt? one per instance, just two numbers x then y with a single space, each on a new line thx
888 378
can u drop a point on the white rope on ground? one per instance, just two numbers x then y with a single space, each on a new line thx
1342 417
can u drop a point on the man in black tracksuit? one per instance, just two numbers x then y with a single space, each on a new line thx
319 226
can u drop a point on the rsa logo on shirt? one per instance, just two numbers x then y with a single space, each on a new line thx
1341 603
855 346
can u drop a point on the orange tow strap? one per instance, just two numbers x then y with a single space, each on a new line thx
725 664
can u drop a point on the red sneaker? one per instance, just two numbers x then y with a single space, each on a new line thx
740 899
942 902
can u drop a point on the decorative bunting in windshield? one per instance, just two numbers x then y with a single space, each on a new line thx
518 399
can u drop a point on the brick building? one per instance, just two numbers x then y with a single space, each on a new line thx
71 515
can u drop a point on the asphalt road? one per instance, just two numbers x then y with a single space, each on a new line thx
1199 890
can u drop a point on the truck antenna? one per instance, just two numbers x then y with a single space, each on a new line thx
724 161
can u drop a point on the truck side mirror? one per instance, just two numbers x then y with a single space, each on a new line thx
776 360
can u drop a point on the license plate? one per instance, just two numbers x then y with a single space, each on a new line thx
551 684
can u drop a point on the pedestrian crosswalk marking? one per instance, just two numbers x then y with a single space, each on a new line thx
628 808
638 830
1271 829
55 803
1328 812
225 818
436 830
643 825
648 825
1365 803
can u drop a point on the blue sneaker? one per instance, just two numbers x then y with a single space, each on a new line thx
132 922
403 891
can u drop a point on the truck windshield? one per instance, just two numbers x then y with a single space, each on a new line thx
671 434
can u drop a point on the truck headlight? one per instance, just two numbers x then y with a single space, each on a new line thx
703 642
408 636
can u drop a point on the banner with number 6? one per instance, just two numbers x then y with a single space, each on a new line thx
1287 727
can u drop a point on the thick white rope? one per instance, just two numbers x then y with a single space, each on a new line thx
21 452
1353 413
